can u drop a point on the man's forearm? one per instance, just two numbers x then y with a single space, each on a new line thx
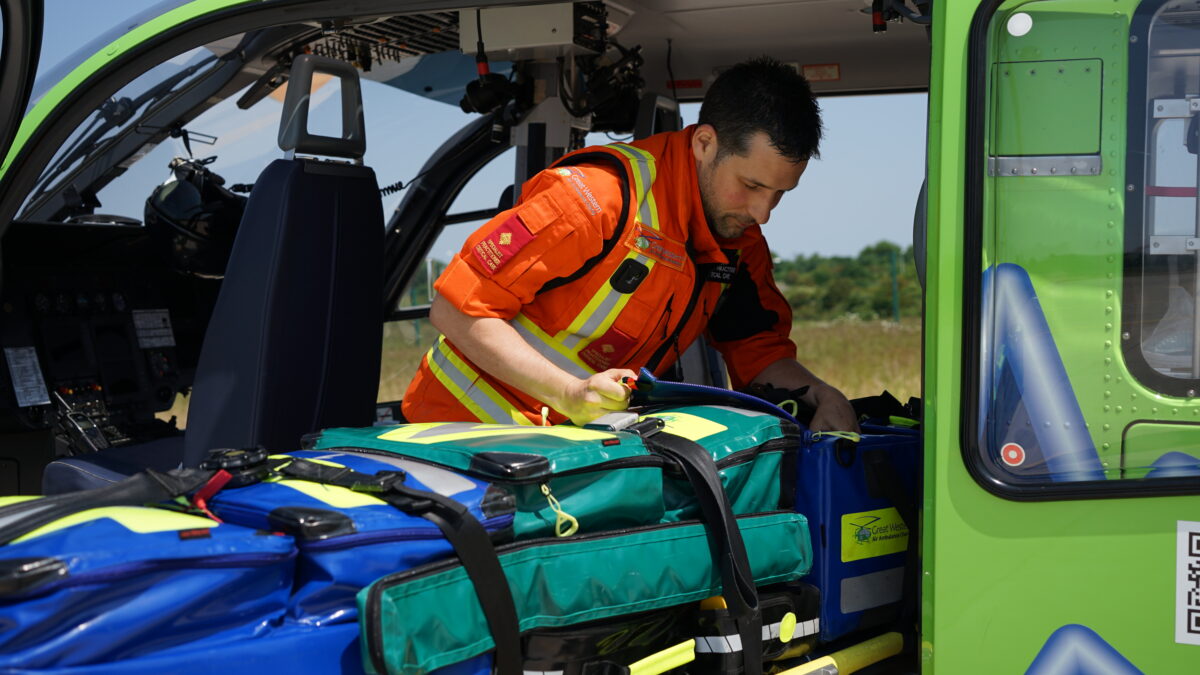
495 346
791 374
833 410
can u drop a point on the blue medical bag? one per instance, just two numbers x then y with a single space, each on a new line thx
122 582
347 539
859 499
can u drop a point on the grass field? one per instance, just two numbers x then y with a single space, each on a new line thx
862 358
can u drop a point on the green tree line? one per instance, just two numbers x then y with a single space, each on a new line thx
817 287
823 288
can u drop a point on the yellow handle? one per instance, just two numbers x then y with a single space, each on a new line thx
671 657
864 654
813 667
852 659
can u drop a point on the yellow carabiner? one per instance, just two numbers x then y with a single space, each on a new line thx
565 524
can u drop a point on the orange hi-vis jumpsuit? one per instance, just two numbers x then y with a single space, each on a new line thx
606 262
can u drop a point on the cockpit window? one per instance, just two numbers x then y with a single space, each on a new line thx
124 123
56 61
1163 214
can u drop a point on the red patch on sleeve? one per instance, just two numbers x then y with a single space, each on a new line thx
504 241
608 350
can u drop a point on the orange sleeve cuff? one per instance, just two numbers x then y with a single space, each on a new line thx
747 358
473 293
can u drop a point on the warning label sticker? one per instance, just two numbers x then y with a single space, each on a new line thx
153 328
1187 584
869 534
26 374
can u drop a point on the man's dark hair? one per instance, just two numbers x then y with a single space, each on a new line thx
763 95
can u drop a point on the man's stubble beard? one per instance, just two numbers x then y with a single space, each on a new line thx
705 176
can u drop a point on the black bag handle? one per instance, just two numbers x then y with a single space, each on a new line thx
729 550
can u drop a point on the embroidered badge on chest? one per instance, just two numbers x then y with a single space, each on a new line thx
608 350
504 241
654 244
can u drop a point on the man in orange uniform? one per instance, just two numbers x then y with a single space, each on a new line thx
618 257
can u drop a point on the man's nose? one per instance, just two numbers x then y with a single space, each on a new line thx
760 210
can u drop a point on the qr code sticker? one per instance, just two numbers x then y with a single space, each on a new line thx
1187 583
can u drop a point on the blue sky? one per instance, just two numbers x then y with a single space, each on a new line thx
861 191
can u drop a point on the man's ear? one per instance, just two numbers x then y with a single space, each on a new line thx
704 143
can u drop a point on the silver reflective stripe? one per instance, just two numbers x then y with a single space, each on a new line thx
718 644
553 355
437 479
592 325
645 178
450 428
770 632
543 672
441 481
806 628
468 388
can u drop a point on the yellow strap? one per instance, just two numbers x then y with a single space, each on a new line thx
671 657
845 435
565 524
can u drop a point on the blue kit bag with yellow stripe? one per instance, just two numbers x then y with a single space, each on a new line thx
859 496
347 538
82 586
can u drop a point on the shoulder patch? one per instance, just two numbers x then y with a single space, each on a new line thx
504 241
576 178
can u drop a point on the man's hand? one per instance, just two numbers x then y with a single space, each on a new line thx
834 412
585 400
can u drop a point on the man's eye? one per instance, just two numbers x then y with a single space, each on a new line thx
751 187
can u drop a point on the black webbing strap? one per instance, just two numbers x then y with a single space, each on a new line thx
149 486
464 532
729 550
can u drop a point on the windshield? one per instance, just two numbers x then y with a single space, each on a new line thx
123 112
67 40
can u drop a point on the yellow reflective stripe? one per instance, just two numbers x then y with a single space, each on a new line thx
140 519
605 312
602 309
645 173
554 350
434 433
461 380
333 495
